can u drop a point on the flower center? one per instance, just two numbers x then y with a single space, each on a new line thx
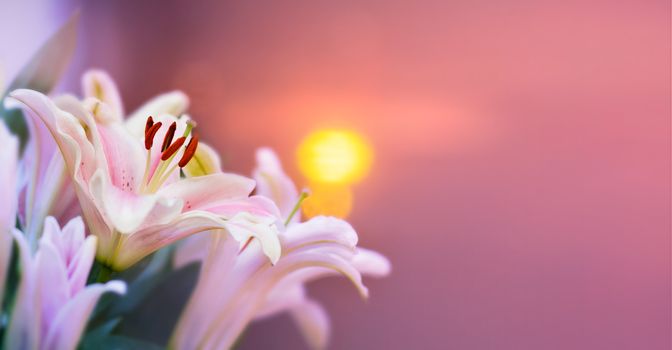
169 149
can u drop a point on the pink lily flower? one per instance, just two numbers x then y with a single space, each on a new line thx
53 304
235 287
126 174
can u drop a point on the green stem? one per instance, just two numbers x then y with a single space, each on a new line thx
104 274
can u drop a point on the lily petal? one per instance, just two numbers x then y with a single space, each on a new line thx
98 84
78 151
308 314
46 179
144 242
8 204
51 283
9 152
273 183
191 249
313 321
197 315
255 205
5 253
126 211
200 192
174 103
371 263
49 193
124 156
68 325
81 264
244 226
24 326
324 228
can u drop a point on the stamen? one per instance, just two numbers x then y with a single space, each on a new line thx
149 124
169 136
302 197
145 176
169 150
149 135
172 149
190 125
95 109
189 151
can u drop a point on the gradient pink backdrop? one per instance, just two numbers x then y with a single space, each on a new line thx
521 185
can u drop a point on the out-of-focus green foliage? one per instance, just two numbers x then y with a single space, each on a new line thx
147 314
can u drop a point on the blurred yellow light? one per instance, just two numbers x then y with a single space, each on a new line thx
328 199
334 156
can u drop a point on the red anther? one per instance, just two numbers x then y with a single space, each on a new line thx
169 136
149 135
173 148
149 124
189 151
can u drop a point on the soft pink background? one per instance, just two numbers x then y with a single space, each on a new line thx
521 185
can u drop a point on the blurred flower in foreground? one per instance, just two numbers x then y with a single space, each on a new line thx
132 197
53 302
236 287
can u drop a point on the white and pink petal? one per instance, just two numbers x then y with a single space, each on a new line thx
273 183
99 85
67 327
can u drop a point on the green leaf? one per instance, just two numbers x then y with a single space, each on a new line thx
42 72
102 331
156 316
156 295
142 280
